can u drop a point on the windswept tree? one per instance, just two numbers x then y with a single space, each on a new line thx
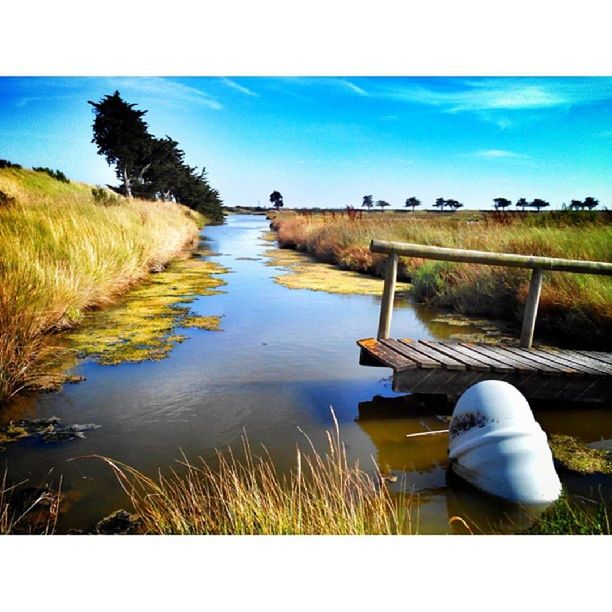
576 205
440 203
121 135
383 204
501 203
412 201
538 204
454 204
277 199
368 201
522 203
591 203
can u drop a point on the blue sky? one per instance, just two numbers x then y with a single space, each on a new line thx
328 141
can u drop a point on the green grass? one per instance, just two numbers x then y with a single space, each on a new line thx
61 253
574 307
586 517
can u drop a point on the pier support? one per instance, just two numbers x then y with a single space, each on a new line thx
386 307
531 308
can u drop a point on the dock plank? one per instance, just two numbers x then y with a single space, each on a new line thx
447 362
386 355
407 351
545 363
495 364
566 360
600 366
510 360
543 368
453 350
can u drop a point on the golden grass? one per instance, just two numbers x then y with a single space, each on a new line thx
323 495
573 305
61 253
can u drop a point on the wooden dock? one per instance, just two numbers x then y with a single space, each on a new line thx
421 366
449 368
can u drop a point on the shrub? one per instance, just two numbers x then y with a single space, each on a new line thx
5 163
58 175
5 199
104 197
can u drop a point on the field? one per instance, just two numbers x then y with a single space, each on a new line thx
574 308
62 251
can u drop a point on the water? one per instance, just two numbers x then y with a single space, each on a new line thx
283 358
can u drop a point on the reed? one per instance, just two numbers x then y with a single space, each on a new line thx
574 306
322 495
62 252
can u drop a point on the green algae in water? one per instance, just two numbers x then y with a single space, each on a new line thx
576 456
139 327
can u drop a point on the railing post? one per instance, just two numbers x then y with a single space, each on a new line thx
386 305
531 308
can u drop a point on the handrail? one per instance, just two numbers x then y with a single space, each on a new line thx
535 263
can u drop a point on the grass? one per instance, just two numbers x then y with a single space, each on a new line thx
575 307
323 495
61 254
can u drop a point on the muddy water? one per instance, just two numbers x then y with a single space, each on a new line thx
283 358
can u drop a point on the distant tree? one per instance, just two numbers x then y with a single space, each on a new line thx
440 203
121 135
591 203
414 202
539 203
382 204
576 205
277 199
522 203
454 204
501 203
368 202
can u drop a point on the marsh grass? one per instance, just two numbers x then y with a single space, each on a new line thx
322 495
34 512
575 306
61 253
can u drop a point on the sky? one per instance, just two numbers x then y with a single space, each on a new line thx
328 141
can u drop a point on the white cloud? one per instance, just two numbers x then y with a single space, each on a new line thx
238 87
166 90
355 88
497 154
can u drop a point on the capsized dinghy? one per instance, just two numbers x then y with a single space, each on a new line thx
496 445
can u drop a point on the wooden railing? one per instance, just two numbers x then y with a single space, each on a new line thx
536 264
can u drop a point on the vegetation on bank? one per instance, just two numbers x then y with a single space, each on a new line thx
62 253
575 307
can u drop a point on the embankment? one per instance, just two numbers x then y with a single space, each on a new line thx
62 251
574 308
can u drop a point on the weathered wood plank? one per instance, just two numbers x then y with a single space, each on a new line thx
447 362
546 363
594 364
520 366
565 360
540 367
453 351
421 360
603 357
466 351
387 356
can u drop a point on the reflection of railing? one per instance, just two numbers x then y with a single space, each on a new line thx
536 264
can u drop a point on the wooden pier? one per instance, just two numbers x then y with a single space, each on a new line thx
449 368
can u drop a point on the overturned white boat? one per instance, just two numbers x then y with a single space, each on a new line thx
497 446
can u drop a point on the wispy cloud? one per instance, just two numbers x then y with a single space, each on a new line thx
354 88
238 87
498 154
507 94
166 90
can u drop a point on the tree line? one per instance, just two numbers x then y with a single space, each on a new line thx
148 167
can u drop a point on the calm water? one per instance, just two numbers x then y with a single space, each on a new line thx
283 358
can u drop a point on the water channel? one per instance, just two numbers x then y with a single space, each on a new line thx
283 358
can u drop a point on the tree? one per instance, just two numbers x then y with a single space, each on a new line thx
440 203
277 199
538 203
501 203
122 136
522 203
576 205
454 204
382 204
368 202
414 202
591 203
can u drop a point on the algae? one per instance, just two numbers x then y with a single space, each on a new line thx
574 455
138 327
304 272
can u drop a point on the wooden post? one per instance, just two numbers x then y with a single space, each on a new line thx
386 305
531 308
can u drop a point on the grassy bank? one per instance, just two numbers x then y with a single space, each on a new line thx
576 308
62 252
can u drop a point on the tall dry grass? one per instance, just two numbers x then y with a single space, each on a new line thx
61 253
323 495
576 307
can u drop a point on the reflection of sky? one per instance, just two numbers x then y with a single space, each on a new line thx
329 141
